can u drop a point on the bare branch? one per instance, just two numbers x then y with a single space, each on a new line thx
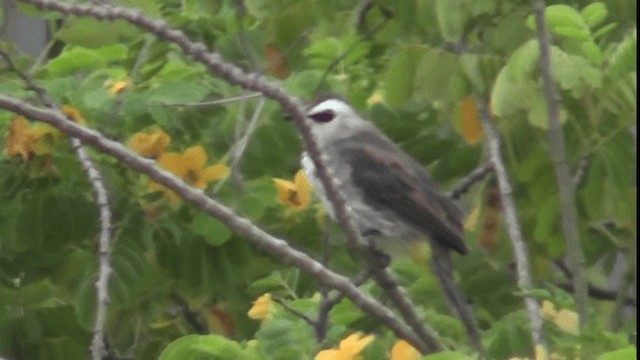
473 177
566 185
275 247
102 200
255 82
513 224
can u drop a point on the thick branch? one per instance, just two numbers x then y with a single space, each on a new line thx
275 247
290 105
566 185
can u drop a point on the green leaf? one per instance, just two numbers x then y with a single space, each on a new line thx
436 70
523 63
399 77
448 355
195 347
76 59
214 231
91 33
509 96
624 58
622 354
593 14
563 16
451 19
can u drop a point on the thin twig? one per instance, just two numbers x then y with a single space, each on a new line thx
426 341
466 182
566 186
102 201
513 224
275 247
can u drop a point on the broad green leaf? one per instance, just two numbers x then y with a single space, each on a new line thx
594 13
572 32
591 51
448 355
523 63
451 19
90 33
435 72
509 96
76 59
213 231
622 354
563 16
195 347
624 58
399 78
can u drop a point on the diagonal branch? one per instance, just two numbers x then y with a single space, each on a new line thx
233 74
513 224
275 247
566 185
102 200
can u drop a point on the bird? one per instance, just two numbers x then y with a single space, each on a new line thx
392 200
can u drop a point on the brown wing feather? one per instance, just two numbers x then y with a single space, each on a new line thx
407 190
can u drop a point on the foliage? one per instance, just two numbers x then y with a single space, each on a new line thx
183 283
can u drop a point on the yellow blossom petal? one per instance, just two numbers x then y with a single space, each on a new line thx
195 158
212 173
188 166
149 144
402 350
73 114
548 310
172 162
349 348
567 320
261 308
375 98
540 353
44 136
20 139
116 87
296 194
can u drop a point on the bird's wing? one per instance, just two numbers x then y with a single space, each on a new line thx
400 184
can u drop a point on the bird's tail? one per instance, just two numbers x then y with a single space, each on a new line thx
443 269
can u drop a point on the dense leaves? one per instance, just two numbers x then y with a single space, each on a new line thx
182 282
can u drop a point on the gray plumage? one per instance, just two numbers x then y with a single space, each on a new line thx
392 199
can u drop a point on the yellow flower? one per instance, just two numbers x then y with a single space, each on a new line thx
375 98
261 308
190 167
44 135
73 114
349 348
566 320
296 193
20 139
27 141
116 87
149 144
402 350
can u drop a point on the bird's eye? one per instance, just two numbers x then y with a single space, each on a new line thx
323 116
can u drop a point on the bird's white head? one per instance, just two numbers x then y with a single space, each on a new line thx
332 119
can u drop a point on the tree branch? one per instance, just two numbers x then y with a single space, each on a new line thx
102 200
513 225
290 105
566 185
275 247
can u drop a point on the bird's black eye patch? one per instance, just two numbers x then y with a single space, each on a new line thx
323 116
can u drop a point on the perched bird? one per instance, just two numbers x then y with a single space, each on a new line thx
392 199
